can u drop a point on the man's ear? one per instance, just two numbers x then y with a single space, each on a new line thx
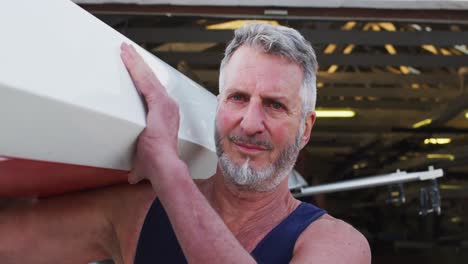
309 123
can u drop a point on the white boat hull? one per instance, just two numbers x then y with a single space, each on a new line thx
66 97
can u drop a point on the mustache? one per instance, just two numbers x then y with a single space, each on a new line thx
251 141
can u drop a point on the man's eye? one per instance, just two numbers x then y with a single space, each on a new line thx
276 105
237 97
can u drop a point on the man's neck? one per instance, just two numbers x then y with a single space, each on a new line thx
240 208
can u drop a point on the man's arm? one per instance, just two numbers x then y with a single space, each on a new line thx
329 240
73 228
202 234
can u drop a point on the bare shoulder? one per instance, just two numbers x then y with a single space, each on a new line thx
126 210
80 227
331 240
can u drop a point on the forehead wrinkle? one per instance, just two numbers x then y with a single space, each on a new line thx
247 70
264 95
262 81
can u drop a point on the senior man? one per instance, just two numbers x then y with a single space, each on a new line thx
242 214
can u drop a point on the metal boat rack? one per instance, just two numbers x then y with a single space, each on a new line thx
429 196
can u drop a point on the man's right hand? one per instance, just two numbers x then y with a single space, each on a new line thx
157 145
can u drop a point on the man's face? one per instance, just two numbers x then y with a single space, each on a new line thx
258 119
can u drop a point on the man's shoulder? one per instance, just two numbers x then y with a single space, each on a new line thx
126 208
331 240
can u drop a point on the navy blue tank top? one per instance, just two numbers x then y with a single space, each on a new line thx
158 243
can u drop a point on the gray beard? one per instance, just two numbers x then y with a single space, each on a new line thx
260 180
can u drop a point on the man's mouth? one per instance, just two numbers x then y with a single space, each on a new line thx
251 147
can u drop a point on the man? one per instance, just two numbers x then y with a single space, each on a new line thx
242 214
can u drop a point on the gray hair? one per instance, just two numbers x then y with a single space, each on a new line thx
282 41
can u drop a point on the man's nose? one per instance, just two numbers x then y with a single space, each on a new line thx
253 119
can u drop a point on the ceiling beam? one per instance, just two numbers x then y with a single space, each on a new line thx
382 104
164 35
429 61
452 80
451 110
431 130
214 58
460 153
403 38
442 38
366 14
387 92
380 129
357 128
210 79
449 80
